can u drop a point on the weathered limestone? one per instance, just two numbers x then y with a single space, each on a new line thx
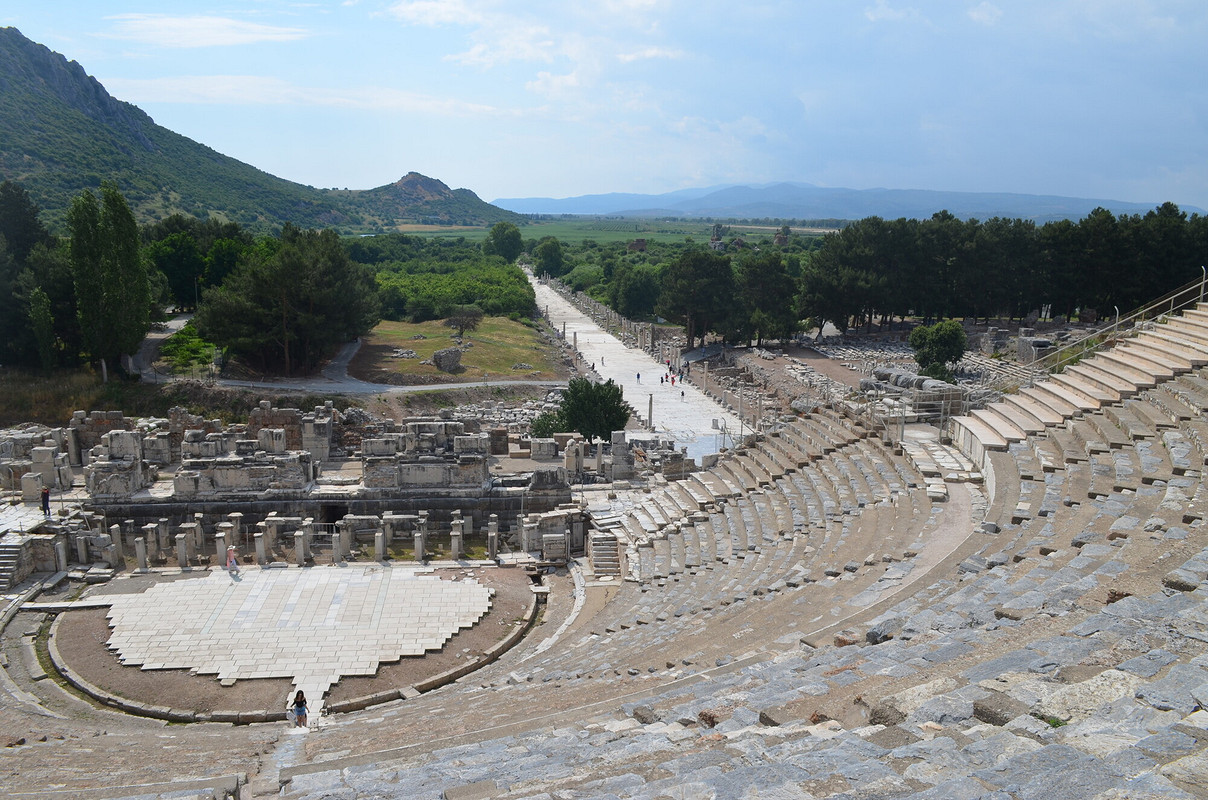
448 359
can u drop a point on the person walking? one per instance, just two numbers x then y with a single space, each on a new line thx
46 501
232 560
299 709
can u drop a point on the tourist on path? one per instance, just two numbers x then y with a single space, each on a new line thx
232 562
299 709
46 501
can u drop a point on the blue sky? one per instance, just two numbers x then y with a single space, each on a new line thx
1090 98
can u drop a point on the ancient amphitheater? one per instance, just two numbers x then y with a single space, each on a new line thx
822 613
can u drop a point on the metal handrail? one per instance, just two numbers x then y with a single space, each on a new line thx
1176 300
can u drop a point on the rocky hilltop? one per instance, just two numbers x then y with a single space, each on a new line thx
61 132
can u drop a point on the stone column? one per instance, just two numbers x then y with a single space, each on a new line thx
182 550
61 555
227 531
455 537
379 546
163 539
300 548
115 535
493 537
236 520
220 548
81 548
151 534
308 533
419 546
345 541
140 552
261 553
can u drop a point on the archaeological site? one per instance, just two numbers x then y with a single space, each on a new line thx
798 573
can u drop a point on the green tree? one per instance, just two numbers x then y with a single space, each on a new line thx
179 259
19 223
548 423
697 292
549 257
43 325
465 318
84 223
127 291
938 346
504 239
49 269
634 290
766 294
290 302
222 259
593 409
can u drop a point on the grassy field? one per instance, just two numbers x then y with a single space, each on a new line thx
606 230
498 346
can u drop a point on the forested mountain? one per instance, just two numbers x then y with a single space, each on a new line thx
61 132
802 201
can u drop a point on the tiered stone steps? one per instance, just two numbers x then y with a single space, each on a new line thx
9 555
1109 377
1012 672
603 553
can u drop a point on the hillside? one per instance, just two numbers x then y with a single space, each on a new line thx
804 201
61 132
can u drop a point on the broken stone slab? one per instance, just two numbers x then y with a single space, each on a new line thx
884 631
1181 580
1176 691
1081 700
998 709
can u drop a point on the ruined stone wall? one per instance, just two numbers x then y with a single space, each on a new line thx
91 427
311 431
235 475
288 419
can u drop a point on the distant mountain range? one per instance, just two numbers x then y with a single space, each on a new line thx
804 201
61 132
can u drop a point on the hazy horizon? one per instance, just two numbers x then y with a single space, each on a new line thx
560 100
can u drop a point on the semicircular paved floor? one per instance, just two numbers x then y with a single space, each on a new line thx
311 625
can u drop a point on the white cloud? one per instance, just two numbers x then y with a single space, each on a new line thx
198 31
649 52
552 85
881 12
985 13
434 12
260 90
505 43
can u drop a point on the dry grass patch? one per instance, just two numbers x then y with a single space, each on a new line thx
497 350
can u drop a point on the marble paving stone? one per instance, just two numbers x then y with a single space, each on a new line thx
312 625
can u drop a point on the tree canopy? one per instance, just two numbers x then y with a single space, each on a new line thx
504 240
592 409
289 303
697 292
112 289
465 318
938 346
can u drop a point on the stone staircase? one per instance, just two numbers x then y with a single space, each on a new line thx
10 554
603 554
1155 356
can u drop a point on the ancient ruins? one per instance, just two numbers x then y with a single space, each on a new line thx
882 589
